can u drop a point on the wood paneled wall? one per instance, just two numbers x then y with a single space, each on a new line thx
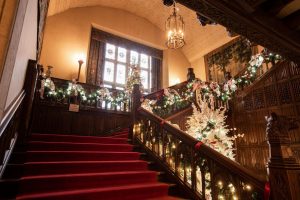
277 91
58 120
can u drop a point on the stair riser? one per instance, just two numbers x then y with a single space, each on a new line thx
124 136
76 147
78 157
125 194
64 167
78 139
48 169
84 182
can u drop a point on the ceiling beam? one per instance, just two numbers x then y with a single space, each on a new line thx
293 20
259 28
274 6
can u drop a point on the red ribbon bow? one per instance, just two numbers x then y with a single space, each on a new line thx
267 191
198 145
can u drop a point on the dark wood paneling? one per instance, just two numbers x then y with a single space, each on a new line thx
277 91
259 24
58 120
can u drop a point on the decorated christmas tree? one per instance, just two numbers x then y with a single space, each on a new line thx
208 126
134 77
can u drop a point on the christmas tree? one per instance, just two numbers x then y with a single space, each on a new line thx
134 77
208 126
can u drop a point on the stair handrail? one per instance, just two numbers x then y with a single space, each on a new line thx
262 77
177 86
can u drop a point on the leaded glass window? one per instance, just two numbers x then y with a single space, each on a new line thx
117 64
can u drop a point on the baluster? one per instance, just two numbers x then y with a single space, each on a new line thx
124 107
203 169
164 146
194 171
105 104
176 159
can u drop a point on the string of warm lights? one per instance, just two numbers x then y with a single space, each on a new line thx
49 91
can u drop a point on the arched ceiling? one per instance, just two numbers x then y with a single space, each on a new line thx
199 40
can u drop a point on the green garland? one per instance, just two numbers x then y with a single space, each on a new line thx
166 104
171 101
225 91
62 95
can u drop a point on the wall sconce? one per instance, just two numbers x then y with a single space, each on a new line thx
80 62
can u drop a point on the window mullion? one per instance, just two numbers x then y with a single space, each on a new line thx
127 65
116 62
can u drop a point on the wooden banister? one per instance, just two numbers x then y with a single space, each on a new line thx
262 77
193 165
95 104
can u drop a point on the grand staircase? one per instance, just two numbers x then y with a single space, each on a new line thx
84 167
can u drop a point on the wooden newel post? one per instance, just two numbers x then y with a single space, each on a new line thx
136 103
283 169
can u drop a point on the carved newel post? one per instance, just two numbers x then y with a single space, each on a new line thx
136 103
190 75
283 169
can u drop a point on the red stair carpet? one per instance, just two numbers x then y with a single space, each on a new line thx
66 167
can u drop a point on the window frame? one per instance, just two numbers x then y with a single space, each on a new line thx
127 64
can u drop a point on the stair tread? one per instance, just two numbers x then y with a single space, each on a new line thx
86 162
82 152
77 143
68 167
37 136
88 174
92 190
68 135
164 198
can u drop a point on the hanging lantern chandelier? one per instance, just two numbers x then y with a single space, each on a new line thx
175 30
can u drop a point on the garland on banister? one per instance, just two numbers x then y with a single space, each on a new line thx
50 92
208 121
224 92
171 100
166 103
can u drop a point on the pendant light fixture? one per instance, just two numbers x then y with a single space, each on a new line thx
175 29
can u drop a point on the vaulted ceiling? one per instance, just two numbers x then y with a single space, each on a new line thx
199 40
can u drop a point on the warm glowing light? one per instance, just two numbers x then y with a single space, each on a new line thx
175 30
220 183
235 198
232 189
80 56
248 187
175 81
77 58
